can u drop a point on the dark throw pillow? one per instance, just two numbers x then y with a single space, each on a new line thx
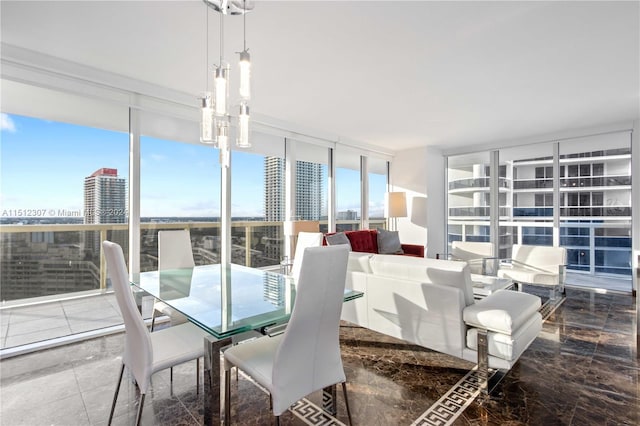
337 239
389 242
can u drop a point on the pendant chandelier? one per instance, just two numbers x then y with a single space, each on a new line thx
215 117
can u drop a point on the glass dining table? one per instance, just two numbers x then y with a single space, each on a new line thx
224 301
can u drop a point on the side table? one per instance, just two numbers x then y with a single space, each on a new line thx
484 285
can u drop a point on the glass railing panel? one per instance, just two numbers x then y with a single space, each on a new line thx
533 211
483 182
257 244
533 184
586 182
54 260
347 225
609 211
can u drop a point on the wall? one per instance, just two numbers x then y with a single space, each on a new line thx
420 172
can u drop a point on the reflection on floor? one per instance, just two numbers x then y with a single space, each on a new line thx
581 370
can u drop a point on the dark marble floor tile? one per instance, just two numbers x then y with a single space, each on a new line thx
581 370
598 408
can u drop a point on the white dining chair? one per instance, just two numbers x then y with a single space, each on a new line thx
174 252
306 357
146 353
305 240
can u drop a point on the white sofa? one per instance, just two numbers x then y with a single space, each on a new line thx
430 303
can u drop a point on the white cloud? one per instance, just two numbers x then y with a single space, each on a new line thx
7 124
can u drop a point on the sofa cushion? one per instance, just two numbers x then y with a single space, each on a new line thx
504 311
365 240
445 272
338 239
506 346
528 275
458 277
359 262
389 242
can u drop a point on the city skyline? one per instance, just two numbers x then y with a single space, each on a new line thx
44 163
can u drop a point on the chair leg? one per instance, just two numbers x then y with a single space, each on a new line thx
197 376
171 375
115 396
227 397
153 319
346 402
139 415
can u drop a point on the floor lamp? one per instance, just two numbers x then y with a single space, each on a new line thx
395 206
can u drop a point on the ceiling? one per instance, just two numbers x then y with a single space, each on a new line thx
392 74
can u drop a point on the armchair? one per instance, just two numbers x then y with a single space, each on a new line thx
537 265
478 255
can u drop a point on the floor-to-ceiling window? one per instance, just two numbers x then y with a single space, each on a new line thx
179 188
526 215
591 179
348 190
468 197
377 184
595 204
63 189
257 201
311 183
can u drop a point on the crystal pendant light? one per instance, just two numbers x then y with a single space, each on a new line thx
206 120
245 75
222 131
245 61
206 107
242 140
221 89
243 126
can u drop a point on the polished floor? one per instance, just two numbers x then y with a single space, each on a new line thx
582 370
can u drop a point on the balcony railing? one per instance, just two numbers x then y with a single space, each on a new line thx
600 181
482 182
574 182
592 247
50 260
483 211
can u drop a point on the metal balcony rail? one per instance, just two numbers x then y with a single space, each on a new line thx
481 182
43 260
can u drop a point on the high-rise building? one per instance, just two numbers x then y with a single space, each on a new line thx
308 190
105 197
105 201
309 197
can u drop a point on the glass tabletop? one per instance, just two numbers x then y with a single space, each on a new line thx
225 300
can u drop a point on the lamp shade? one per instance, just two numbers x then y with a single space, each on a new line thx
395 204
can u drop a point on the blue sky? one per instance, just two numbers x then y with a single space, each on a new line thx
43 165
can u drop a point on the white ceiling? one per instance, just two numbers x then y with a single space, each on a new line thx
392 74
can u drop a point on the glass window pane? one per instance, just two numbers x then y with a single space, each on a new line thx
467 199
64 169
179 189
257 201
312 166
348 190
377 190
601 218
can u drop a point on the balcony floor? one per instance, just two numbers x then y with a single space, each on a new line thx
56 319
582 369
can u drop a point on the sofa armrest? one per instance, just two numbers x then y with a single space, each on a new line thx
413 250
